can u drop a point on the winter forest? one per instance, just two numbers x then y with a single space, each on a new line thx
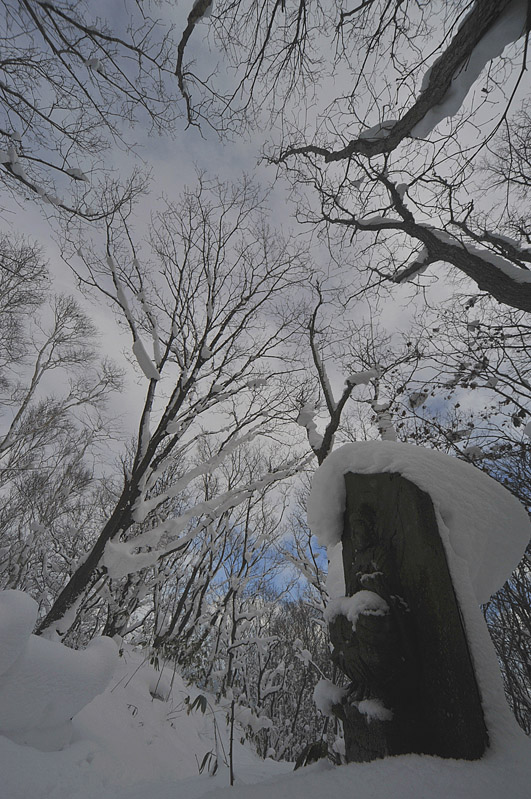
253 253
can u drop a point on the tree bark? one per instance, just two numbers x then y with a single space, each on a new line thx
415 659
481 18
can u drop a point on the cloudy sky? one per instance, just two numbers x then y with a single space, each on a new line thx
172 161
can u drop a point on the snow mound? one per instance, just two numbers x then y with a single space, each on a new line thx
129 745
480 522
43 684
362 603
326 695
18 614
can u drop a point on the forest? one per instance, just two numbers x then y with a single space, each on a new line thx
236 236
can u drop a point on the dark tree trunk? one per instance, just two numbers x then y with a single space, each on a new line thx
415 659
120 520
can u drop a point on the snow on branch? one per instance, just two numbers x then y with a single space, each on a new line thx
120 557
139 351
145 506
504 280
490 26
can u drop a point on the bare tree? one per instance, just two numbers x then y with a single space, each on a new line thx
70 85
53 396
215 310
393 157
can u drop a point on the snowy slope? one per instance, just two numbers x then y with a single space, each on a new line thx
130 746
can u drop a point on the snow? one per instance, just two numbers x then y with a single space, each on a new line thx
362 603
120 560
247 718
380 220
508 29
379 131
362 378
306 419
374 710
514 243
417 266
405 777
335 580
95 64
474 453
77 174
516 273
129 745
18 613
17 169
256 382
481 524
384 422
326 695
144 361
120 557
43 684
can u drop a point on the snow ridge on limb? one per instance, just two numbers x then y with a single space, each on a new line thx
120 557
429 107
503 279
139 351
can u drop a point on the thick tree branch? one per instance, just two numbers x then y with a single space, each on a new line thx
483 16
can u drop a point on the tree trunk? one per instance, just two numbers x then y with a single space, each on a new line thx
120 520
415 659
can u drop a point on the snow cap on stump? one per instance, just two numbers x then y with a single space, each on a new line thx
480 522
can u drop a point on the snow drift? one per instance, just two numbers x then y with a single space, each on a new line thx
43 684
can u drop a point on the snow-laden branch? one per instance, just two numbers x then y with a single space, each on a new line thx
120 558
506 281
490 26
145 506
139 351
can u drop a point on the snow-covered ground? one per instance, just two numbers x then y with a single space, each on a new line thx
132 736
128 745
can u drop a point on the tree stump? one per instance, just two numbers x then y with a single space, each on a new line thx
414 659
